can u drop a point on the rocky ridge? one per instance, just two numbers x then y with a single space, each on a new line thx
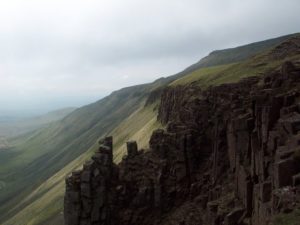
229 155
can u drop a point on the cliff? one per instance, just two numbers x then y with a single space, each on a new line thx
229 155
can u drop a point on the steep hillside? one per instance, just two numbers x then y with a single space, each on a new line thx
233 55
241 53
256 65
45 203
229 155
39 155
40 160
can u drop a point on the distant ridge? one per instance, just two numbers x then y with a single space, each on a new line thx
12 127
232 55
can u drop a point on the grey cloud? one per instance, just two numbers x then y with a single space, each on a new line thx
90 48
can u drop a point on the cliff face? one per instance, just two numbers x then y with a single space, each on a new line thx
229 155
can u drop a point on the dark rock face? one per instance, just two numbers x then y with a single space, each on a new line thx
89 198
229 155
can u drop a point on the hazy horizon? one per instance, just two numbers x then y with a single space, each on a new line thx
57 54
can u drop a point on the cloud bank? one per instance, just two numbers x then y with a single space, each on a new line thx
56 53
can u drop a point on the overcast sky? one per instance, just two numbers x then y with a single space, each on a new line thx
56 53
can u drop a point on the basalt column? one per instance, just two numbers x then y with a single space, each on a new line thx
89 198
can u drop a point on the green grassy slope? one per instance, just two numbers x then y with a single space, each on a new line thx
233 55
262 63
39 155
15 127
45 205
32 173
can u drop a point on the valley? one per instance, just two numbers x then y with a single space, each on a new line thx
33 172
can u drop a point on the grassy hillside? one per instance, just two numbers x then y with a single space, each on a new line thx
46 202
241 53
234 55
14 127
262 63
32 172
37 156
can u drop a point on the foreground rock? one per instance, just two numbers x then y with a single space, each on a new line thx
229 155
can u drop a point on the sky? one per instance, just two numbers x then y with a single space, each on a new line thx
60 53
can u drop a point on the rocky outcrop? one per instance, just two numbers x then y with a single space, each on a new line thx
89 198
229 155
